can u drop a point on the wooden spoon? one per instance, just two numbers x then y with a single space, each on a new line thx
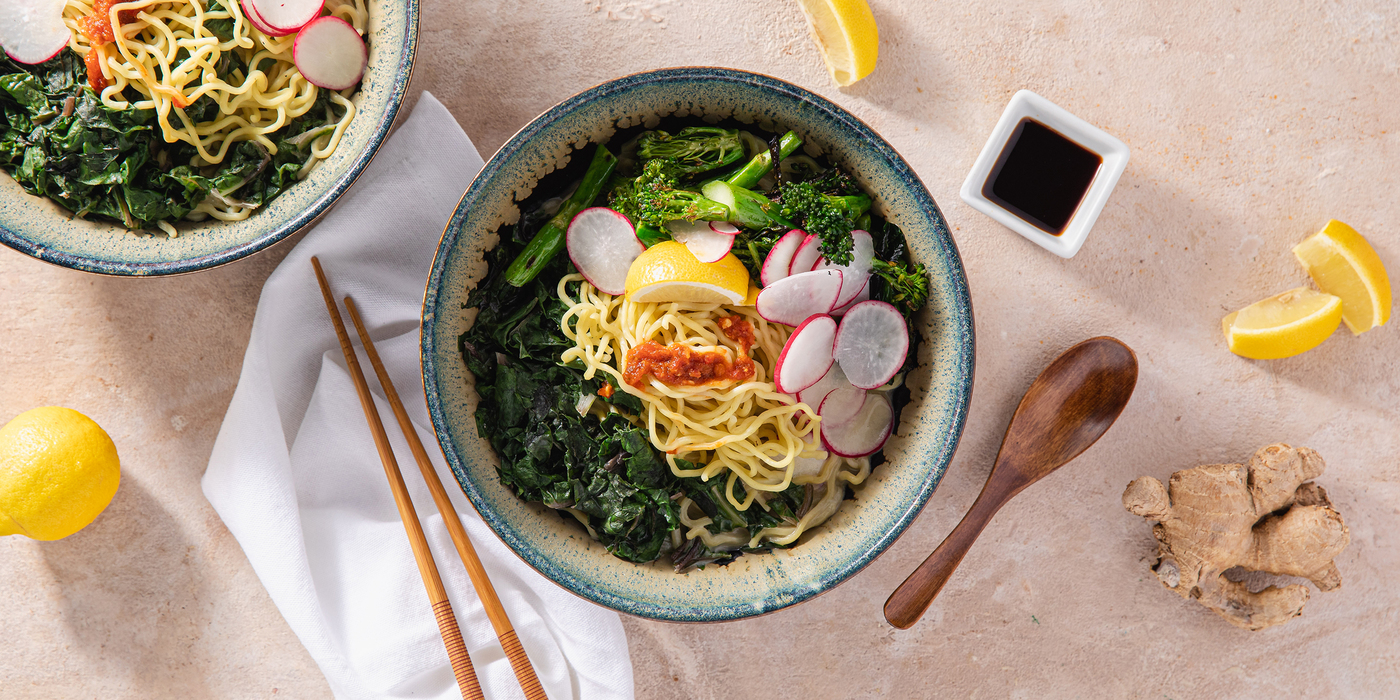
1068 407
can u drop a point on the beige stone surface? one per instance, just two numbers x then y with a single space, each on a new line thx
1250 125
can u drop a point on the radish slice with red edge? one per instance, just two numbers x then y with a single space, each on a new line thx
806 255
793 299
865 433
706 245
871 343
776 266
855 274
724 227
841 406
863 295
287 16
806 356
833 379
250 11
330 53
32 31
602 244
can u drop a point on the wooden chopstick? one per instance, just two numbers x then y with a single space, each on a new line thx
519 662
437 595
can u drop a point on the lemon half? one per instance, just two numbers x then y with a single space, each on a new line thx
1341 262
58 471
669 272
1283 325
847 36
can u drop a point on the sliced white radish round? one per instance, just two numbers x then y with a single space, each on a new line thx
865 433
706 245
841 406
250 11
329 53
854 275
287 15
832 380
806 255
32 31
779 261
793 299
806 356
602 244
863 295
724 227
871 343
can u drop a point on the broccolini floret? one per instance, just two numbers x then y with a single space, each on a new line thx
694 149
829 218
906 286
655 197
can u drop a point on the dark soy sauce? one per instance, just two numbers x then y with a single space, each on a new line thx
1041 176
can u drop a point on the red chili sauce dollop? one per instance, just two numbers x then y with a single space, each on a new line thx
682 365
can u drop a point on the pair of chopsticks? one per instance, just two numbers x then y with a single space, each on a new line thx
437 595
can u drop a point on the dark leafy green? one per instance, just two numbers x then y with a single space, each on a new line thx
58 140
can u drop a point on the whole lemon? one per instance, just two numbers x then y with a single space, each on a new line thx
58 470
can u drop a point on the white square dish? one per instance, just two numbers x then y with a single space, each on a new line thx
1113 152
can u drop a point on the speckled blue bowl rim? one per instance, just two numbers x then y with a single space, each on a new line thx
959 317
403 74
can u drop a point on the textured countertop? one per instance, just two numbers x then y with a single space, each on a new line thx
1250 125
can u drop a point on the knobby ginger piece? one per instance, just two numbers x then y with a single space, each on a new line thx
1267 516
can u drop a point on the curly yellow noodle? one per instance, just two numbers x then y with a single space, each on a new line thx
146 58
740 431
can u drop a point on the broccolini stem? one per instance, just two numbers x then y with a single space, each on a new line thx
550 240
758 166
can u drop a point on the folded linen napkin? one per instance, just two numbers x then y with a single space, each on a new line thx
295 476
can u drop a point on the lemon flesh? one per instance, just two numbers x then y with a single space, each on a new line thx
846 34
669 272
58 471
1341 262
1284 325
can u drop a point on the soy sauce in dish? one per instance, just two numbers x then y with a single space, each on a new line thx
1041 176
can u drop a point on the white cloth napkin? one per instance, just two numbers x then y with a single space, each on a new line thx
295 476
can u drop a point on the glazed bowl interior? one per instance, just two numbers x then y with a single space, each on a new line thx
882 508
40 228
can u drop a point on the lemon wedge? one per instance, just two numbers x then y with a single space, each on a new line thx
1283 325
669 272
1341 262
847 36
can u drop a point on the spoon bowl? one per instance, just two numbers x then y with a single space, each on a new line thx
1067 408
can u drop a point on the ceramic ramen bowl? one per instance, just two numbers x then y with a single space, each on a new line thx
37 226
883 507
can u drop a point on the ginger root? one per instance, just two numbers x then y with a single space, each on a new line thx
1266 516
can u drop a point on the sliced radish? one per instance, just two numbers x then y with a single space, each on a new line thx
32 31
602 244
806 356
865 433
724 227
841 406
806 255
706 245
329 53
250 11
854 275
287 16
793 299
779 261
863 295
871 343
832 380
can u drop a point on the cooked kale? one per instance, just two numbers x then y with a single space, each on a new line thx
58 140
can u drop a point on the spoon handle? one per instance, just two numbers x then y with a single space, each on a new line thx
908 602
